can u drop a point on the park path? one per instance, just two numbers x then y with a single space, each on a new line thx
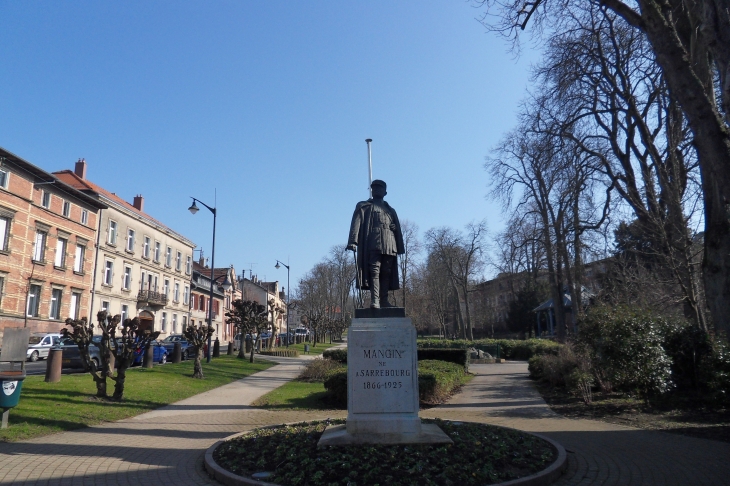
166 446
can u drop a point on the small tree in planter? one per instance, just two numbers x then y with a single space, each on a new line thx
198 336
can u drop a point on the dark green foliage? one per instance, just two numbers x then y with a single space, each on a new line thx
481 454
509 348
438 380
285 353
336 354
690 348
458 356
627 345
335 383
520 317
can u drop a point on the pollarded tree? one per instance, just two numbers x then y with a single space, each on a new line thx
198 337
82 333
249 318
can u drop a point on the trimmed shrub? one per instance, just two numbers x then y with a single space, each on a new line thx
438 379
335 383
626 345
508 348
458 356
318 369
337 354
284 353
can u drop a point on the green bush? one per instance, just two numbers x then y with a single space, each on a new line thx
336 354
626 346
438 379
284 353
458 356
335 383
318 369
508 348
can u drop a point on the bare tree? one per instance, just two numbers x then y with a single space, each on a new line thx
198 337
413 248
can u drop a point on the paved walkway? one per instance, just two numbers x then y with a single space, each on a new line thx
166 446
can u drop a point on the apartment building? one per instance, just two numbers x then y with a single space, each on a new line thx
47 247
262 293
143 267
200 300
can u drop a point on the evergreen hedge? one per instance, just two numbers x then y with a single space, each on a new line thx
509 348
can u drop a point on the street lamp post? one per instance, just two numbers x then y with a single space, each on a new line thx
194 209
288 291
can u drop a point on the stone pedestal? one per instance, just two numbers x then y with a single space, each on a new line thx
382 386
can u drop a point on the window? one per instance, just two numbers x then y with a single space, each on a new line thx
186 295
73 308
2 286
66 208
164 321
157 251
34 299
178 261
46 199
4 176
216 307
84 216
127 278
166 287
55 304
112 232
79 259
184 323
4 233
60 258
168 257
125 312
176 293
188 264
105 305
39 251
174 323
201 303
146 247
108 272
130 240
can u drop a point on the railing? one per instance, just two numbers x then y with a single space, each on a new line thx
152 297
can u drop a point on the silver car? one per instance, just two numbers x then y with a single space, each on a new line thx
40 343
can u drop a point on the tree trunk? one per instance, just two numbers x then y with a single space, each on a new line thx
119 383
198 366
253 349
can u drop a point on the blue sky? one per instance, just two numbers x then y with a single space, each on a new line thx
269 103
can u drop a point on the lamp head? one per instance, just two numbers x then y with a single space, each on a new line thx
277 265
193 209
226 284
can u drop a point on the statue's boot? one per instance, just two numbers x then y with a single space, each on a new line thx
374 293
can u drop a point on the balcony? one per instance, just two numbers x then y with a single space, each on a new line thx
151 297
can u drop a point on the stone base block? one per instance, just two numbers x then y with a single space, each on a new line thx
337 435
378 424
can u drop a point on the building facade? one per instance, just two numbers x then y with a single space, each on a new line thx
143 268
47 247
200 302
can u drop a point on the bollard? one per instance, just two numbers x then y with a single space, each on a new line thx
149 357
177 353
306 348
229 351
217 349
53 365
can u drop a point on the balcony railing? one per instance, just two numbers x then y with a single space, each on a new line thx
152 297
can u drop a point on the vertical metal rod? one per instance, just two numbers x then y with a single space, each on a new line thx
370 166
212 283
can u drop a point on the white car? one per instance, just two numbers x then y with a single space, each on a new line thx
40 343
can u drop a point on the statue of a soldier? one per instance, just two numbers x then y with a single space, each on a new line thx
376 235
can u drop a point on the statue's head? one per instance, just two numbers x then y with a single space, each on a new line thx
379 188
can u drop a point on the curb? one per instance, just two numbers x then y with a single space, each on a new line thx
542 478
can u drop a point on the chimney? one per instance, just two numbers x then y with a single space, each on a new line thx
201 260
139 202
80 169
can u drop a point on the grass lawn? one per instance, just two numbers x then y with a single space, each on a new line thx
47 408
312 350
295 395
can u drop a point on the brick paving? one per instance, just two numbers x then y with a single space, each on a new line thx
166 446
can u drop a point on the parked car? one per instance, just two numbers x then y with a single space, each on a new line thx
159 354
40 343
71 357
187 349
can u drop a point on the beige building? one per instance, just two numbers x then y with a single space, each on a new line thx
263 292
143 268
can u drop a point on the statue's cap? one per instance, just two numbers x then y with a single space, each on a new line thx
378 182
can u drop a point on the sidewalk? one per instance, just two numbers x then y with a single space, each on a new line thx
166 446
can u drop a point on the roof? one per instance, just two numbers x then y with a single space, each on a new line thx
48 177
85 185
217 272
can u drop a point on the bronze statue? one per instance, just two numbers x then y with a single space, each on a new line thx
376 235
